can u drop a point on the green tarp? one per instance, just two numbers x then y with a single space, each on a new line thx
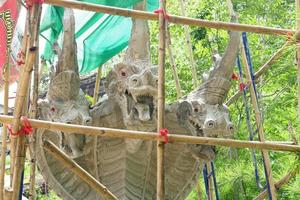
99 36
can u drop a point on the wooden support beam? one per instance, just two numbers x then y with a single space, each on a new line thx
160 183
172 18
119 133
79 171
259 123
263 69
173 65
97 85
189 46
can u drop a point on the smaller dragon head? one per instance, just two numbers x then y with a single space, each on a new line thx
135 91
205 119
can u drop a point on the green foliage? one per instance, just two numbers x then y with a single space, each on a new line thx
277 88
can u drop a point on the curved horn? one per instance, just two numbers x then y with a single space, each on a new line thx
226 64
66 83
67 60
139 44
217 84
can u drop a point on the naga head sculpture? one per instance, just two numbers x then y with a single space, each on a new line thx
65 101
133 83
202 111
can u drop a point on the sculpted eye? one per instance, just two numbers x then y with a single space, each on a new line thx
134 80
196 110
123 73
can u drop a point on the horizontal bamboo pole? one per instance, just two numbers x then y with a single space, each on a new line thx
79 171
119 133
260 72
172 18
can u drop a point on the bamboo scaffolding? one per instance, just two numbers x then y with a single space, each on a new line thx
259 123
279 183
6 75
173 65
189 46
79 171
160 184
21 97
97 85
119 133
263 69
172 18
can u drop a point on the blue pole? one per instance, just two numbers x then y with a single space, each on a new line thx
248 56
215 179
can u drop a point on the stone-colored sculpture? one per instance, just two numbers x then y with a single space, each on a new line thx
128 167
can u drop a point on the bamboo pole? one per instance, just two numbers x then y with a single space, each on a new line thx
13 140
119 133
160 184
33 115
211 188
8 194
97 85
279 183
21 97
6 75
78 171
259 123
173 65
172 18
297 2
263 69
189 46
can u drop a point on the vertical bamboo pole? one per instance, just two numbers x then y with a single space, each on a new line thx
297 2
97 85
33 115
173 65
21 97
160 193
6 75
189 46
13 140
259 123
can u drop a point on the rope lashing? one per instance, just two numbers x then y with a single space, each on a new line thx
163 12
20 58
164 133
242 86
25 130
234 77
30 3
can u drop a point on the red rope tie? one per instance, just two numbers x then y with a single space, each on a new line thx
29 3
25 130
289 36
242 86
234 77
162 11
164 133
21 57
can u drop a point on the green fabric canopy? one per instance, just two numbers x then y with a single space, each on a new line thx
99 36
